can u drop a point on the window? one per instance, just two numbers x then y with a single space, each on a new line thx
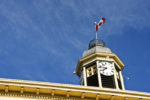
91 70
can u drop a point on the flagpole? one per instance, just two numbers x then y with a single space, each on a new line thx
96 35
96 29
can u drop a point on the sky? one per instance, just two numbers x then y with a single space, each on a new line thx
42 40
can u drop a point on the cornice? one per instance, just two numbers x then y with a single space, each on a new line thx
23 87
96 56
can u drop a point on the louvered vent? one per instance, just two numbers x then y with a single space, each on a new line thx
108 81
92 80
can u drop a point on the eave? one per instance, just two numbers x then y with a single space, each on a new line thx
52 89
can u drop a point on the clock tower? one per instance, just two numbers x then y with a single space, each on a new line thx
99 67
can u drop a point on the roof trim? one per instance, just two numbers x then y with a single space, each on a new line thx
22 86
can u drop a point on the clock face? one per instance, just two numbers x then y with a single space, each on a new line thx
106 68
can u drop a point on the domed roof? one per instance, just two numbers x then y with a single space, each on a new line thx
96 46
96 42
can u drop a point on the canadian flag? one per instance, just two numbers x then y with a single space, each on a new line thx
101 22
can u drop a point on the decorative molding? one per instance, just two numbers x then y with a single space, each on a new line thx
29 96
6 88
37 91
13 88
82 95
53 92
21 90
112 97
97 96
68 94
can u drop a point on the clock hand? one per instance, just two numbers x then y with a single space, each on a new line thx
105 68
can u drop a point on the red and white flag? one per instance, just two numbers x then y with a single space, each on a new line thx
101 22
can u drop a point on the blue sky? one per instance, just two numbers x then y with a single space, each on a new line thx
42 40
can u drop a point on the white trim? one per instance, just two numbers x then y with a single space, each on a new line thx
84 76
121 79
99 75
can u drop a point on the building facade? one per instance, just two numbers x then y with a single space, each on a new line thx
100 73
